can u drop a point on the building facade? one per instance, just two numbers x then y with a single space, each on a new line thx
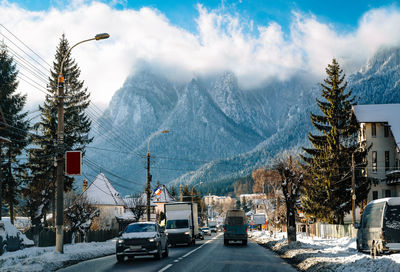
380 129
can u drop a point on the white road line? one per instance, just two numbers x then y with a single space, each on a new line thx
165 268
187 254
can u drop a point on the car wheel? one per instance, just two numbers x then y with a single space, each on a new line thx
165 254
193 242
120 258
157 256
244 242
226 242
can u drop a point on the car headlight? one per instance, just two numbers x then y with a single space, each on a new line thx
151 240
120 241
187 233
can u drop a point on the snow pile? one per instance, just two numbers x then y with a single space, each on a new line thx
318 254
47 259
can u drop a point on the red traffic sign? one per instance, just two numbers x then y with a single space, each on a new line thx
73 163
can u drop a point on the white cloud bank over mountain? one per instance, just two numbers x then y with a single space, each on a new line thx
222 42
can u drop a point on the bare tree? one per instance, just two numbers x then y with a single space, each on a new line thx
79 217
260 177
291 181
275 197
137 206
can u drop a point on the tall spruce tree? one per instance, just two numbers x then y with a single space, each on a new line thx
16 131
327 194
76 128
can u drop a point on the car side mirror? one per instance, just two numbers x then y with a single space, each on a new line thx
120 233
356 225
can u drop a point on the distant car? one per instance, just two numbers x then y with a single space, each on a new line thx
235 227
200 235
12 239
206 231
213 229
144 238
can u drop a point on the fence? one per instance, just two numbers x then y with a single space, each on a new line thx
328 230
48 237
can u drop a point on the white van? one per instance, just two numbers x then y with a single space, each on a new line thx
379 229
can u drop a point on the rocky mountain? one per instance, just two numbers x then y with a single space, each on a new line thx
218 131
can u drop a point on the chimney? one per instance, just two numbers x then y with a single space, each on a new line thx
84 186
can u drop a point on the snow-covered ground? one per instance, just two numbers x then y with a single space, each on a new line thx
47 259
317 254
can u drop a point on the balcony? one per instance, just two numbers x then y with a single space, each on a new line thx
393 177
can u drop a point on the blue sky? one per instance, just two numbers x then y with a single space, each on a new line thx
344 14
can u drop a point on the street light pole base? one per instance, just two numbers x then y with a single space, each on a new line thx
59 239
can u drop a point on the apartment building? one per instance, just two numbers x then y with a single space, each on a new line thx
380 126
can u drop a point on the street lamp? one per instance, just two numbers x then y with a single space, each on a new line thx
148 170
60 143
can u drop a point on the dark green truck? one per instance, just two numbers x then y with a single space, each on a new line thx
235 227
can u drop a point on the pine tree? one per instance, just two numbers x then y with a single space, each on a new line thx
76 126
327 193
16 130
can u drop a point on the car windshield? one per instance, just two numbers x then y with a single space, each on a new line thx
177 224
235 220
206 229
141 228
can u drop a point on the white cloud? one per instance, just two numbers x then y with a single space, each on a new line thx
222 42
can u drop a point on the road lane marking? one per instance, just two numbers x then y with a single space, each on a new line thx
187 254
165 268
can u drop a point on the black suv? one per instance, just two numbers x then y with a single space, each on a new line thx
142 238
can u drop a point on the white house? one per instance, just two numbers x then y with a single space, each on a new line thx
380 126
101 194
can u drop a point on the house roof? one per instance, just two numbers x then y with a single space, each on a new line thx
377 113
163 197
101 192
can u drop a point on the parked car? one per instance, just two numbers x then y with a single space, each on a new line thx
144 238
379 229
206 231
235 227
11 239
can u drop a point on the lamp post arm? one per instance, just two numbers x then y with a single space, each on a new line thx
69 50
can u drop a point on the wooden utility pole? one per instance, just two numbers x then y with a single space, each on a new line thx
148 186
353 192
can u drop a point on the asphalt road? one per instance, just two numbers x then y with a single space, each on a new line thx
208 255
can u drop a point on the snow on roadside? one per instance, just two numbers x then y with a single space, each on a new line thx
47 259
318 254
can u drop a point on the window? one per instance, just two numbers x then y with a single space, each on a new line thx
371 215
387 161
374 161
373 129
386 130
388 193
374 195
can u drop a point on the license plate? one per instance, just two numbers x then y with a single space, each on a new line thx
135 247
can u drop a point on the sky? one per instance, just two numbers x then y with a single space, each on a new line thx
257 40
